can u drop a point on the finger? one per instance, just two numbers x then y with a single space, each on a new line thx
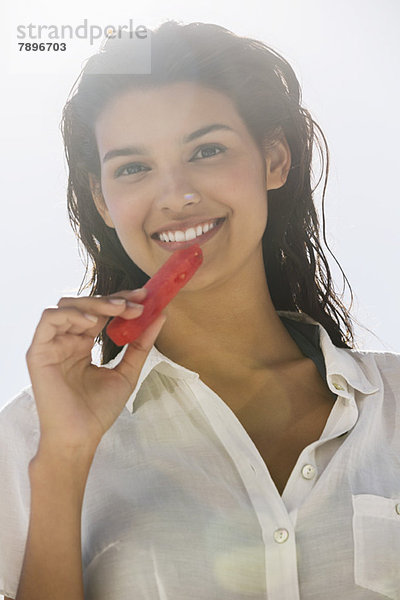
66 350
56 321
137 295
137 351
102 304
132 310
107 306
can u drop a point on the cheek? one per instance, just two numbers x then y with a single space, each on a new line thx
128 223
125 212
249 194
246 174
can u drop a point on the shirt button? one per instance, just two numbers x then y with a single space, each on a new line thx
308 471
337 386
398 508
281 535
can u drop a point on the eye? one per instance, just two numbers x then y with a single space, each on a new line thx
208 151
130 169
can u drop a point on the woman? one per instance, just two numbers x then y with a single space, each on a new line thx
241 447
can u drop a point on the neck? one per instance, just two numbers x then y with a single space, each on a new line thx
231 327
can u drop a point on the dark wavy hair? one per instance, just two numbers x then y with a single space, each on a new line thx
267 95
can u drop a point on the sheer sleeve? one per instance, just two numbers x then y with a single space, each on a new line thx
19 436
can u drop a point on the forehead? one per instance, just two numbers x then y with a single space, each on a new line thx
170 109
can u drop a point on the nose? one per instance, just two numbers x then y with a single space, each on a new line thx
176 196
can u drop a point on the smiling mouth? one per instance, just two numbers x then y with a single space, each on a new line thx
191 233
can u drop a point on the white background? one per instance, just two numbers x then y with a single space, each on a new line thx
346 56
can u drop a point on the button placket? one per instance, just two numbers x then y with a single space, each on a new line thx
298 486
268 505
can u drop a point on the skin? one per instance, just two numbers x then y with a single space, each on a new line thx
139 194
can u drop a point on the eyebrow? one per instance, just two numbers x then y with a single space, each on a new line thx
142 149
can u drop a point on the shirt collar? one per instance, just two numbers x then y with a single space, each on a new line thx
155 360
342 367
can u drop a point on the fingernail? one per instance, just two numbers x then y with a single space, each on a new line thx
118 301
90 317
134 305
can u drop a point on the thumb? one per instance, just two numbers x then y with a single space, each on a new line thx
138 350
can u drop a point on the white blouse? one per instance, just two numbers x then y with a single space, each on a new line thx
179 503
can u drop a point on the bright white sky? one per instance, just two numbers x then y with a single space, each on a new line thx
346 55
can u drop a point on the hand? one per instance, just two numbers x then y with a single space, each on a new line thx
77 401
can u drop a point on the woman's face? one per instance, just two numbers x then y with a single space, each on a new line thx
178 160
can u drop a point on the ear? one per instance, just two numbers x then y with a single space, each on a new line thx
98 199
277 160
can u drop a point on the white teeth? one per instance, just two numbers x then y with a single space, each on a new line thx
179 236
190 234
